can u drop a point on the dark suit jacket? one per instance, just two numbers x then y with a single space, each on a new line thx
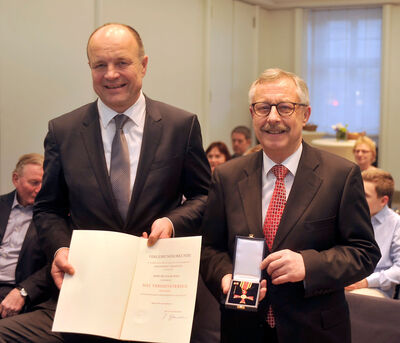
76 190
30 272
326 219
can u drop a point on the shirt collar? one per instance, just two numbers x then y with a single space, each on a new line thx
135 112
380 216
16 203
291 163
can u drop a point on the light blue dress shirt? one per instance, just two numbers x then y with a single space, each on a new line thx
10 247
386 224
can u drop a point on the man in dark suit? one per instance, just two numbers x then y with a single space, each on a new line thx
323 239
161 144
22 262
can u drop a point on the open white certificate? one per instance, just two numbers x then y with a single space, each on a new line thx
125 290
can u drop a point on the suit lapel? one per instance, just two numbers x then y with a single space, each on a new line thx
250 193
151 138
92 140
305 186
5 209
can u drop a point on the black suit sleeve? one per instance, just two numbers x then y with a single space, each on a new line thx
50 213
215 259
37 285
356 253
195 180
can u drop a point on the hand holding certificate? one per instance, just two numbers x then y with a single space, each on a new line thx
124 289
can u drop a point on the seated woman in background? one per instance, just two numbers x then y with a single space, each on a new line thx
365 153
217 153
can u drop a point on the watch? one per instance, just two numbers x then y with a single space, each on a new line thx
22 291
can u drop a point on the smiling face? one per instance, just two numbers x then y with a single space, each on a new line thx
117 69
279 136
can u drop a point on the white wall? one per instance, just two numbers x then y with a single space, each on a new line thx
232 67
220 71
190 44
245 62
389 137
276 40
203 56
43 72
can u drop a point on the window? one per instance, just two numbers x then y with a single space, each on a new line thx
344 68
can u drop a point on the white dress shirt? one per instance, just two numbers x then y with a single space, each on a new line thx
133 131
268 178
386 224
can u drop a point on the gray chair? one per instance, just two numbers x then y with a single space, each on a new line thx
374 319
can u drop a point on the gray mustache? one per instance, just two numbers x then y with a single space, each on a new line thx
277 128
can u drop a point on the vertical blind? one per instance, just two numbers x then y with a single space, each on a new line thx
344 68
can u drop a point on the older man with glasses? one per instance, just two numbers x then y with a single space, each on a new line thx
310 208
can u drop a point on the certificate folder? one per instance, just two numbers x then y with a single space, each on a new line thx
124 290
245 285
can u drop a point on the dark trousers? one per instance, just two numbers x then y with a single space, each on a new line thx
35 327
243 326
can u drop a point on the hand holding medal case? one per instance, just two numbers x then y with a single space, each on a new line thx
245 285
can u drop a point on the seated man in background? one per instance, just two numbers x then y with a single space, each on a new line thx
379 188
241 140
22 263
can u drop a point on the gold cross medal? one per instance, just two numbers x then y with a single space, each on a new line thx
245 285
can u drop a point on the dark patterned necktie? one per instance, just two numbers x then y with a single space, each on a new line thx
276 205
273 217
120 175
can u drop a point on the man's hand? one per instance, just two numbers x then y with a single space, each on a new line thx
359 284
161 228
263 289
284 266
60 266
12 304
226 283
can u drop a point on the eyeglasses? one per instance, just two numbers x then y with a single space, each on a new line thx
285 109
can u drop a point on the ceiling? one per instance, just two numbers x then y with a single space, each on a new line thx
281 4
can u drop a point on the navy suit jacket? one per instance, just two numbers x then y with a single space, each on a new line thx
31 268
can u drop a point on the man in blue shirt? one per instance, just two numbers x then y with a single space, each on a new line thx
23 280
379 188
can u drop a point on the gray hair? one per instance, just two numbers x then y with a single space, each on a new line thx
32 158
274 74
